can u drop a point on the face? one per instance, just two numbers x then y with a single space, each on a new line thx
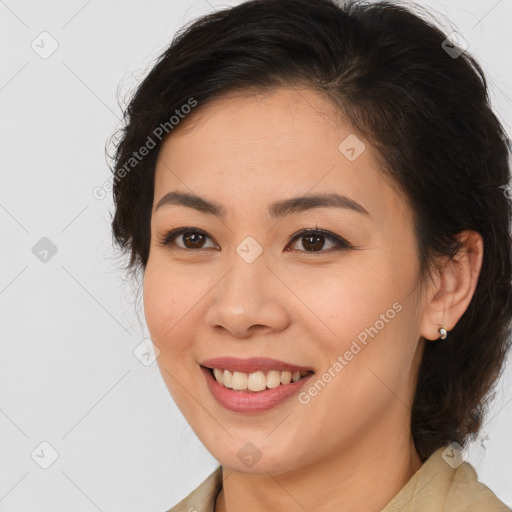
258 279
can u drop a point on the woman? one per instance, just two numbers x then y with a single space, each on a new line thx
316 196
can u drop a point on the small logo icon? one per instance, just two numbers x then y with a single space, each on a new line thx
44 455
454 455
454 45
507 190
249 249
44 45
146 352
484 439
44 250
351 147
249 454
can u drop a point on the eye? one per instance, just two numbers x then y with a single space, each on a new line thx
192 238
313 240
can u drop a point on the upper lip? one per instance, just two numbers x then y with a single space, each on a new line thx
252 364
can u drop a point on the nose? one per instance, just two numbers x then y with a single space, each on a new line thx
249 299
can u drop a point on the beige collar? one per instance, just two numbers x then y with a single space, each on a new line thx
439 485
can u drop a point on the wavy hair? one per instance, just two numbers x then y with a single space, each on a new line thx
427 112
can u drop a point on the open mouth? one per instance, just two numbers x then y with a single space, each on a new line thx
255 382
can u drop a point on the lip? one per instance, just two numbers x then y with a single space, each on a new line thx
249 401
252 364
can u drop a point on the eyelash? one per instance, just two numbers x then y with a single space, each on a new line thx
340 242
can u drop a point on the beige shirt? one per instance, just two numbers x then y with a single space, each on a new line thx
435 487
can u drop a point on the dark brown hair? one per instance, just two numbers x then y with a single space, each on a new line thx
427 112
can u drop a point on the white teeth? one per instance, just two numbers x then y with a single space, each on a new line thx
286 377
273 379
256 381
239 380
226 379
219 375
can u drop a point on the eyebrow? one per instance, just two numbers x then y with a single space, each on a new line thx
275 210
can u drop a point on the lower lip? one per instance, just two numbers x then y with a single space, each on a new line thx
246 402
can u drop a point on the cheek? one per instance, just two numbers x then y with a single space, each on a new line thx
365 312
168 315
173 308
163 304
374 323
156 298
349 300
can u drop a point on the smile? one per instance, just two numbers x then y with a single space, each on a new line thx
261 399
256 381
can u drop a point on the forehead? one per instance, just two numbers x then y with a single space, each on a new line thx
274 124
264 145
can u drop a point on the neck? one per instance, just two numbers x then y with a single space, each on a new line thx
363 477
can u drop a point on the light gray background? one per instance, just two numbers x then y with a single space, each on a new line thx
68 374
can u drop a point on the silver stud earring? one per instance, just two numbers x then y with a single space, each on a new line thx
443 333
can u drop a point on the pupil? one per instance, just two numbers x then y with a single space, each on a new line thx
195 242
316 245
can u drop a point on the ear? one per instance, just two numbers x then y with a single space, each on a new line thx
453 286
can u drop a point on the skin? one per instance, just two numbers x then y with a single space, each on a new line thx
350 447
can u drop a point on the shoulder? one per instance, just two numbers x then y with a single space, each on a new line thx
202 498
469 494
445 484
